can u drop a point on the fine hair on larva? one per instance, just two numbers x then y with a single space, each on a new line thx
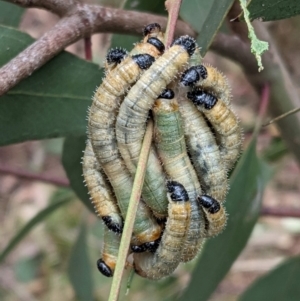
167 256
101 128
209 79
215 215
224 122
109 255
171 148
100 191
203 150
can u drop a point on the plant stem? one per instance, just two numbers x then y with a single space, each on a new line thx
130 216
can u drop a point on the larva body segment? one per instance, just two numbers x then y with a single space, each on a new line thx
209 79
215 215
204 151
100 191
133 113
101 127
111 243
224 122
171 148
167 256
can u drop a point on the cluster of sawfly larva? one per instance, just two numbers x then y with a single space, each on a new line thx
197 141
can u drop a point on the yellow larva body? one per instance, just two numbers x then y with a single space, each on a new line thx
167 257
224 122
109 255
102 134
102 197
204 151
215 215
171 148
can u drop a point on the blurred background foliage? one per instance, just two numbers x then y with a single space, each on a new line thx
50 239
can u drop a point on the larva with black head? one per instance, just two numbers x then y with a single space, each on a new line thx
224 122
109 255
167 256
100 191
203 149
133 114
101 127
215 215
209 79
171 148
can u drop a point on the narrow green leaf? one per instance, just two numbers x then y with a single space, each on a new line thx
280 284
243 206
10 14
206 17
52 102
71 160
31 224
79 270
270 10
258 47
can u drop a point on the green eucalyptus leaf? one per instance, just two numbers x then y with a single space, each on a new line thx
280 284
10 14
79 270
243 206
52 102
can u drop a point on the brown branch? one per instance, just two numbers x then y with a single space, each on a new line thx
280 212
8 170
84 21
57 7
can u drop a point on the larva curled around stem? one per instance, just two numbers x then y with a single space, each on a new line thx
171 148
224 122
203 149
209 79
111 243
215 215
101 128
102 197
167 256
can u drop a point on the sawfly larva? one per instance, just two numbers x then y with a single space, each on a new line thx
215 215
209 79
100 191
111 243
114 57
224 122
204 151
167 256
101 127
171 148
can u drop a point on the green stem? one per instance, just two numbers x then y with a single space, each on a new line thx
130 217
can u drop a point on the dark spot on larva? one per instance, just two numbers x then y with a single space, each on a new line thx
146 247
202 98
188 43
111 225
144 61
166 94
177 192
116 56
104 268
209 203
159 45
153 27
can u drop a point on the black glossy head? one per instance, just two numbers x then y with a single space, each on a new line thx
209 203
188 43
166 94
192 75
177 192
202 98
158 44
115 56
153 27
104 268
144 61
111 225
146 247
